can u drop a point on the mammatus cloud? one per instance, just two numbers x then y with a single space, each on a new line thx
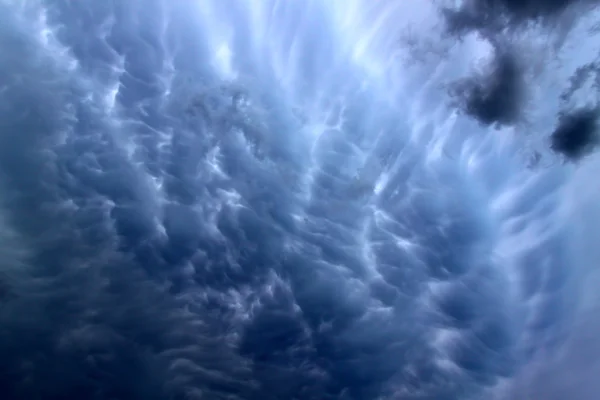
239 200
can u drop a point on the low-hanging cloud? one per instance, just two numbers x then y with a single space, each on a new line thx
495 16
222 201
576 133
496 95
499 95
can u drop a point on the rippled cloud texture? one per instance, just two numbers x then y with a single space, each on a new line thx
297 200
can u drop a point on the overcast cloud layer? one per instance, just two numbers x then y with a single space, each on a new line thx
327 199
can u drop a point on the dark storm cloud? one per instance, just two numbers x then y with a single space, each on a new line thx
576 133
96 321
130 298
495 95
139 290
495 16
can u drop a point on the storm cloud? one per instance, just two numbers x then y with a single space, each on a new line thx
499 95
496 94
576 133
496 16
234 200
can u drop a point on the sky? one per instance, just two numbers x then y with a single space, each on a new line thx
300 199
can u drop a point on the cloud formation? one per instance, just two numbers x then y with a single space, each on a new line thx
225 201
576 133
492 17
495 95
498 96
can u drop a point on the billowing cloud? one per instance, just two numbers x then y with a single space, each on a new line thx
496 95
251 200
495 16
576 133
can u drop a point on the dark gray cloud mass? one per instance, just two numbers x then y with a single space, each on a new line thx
495 16
576 133
496 95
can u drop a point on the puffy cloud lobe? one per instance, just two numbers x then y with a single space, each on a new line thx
576 133
495 96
